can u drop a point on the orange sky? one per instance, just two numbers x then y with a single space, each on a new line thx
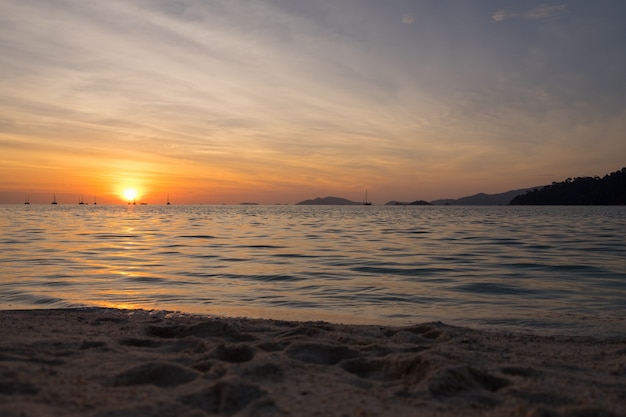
277 102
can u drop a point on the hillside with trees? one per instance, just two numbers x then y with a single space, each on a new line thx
609 190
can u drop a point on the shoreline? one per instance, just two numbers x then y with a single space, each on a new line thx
110 362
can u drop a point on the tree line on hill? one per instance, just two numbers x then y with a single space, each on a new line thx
609 190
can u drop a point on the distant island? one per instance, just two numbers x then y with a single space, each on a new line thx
414 203
482 199
609 190
328 201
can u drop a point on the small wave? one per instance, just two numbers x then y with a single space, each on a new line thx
10 242
259 246
414 272
279 277
581 268
57 281
203 256
264 278
149 280
408 232
493 288
25 298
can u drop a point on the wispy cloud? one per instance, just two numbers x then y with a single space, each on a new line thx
408 19
542 11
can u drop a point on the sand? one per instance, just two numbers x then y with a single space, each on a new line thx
107 362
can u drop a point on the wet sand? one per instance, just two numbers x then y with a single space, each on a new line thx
107 362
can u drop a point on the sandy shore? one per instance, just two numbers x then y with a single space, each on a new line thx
106 362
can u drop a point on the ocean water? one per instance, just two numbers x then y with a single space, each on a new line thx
541 269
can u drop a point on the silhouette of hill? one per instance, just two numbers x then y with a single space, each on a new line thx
609 190
414 203
482 199
328 201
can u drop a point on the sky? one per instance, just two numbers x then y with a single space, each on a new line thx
278 101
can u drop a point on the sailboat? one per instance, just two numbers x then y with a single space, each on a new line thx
365 202
168 199
54 199
27 200
81 201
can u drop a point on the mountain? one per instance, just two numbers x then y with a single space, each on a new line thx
609 190
482 199
328 201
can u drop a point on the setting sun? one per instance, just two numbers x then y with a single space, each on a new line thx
130 194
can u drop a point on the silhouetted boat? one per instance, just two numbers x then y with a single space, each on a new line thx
365 202
27 200
81 201
168 199
54 199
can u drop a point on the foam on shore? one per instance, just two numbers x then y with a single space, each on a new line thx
107 362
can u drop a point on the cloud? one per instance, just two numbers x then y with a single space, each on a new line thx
407 19
542 11
501 15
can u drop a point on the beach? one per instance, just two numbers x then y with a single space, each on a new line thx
110 362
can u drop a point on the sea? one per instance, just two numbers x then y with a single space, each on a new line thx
540 269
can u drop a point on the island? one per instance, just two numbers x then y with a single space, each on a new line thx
414 203
328 201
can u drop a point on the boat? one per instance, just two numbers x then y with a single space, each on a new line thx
168 199
365 202
54 199
27 200
81 201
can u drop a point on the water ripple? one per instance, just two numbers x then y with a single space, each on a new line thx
485 266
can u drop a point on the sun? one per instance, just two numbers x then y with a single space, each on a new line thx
130 194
